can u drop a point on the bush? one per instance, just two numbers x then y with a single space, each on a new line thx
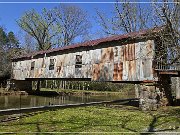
86 85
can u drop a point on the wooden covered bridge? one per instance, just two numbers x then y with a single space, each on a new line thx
129 58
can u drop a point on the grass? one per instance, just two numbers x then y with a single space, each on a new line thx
98 119
74 90
93 92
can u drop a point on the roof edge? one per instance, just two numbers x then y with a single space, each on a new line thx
93 42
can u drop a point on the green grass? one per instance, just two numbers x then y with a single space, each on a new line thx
94 92
98 119
74 90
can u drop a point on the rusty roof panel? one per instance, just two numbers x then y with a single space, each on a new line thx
96 72
67 60
108 71
60 60
118 71
59 71
17 74
64 75
21 69
50 74
132 71
107 55
147 69
138 69
36 73
95 56
150 49
70 72
138 50
146 72
86 58
128 52
42 73
103 72
116 51
125 70
39 63
78 72
86 71
144 49
72 59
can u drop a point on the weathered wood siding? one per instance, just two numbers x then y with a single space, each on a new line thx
127 62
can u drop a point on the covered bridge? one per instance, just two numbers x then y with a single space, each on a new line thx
129 58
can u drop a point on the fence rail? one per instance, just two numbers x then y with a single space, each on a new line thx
166 65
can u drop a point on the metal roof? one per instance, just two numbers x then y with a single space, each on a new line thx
132 35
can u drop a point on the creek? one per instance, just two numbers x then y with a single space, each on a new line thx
22 101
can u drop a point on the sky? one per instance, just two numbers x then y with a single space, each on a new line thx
12 10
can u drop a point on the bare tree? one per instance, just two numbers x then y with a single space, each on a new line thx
127 17
40 26
29 43
168 15
73 21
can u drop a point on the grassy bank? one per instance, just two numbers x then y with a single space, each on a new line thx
85 85
98 119
4 92
89 92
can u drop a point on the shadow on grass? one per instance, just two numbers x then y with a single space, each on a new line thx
127 105
84 123
90 123
164 114
38 128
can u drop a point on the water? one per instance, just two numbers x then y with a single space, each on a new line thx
17 101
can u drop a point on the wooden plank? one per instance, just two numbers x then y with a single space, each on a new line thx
168 73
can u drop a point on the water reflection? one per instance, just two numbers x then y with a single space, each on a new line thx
7 102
